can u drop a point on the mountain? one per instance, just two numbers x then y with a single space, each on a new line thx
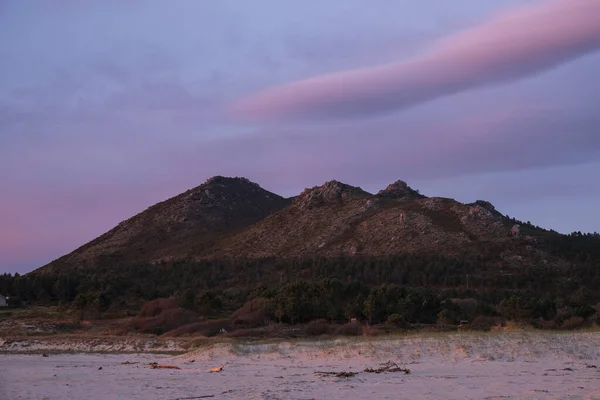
184 223
229 248
236 218
336 219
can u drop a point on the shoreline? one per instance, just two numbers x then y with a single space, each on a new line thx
508 365
138 344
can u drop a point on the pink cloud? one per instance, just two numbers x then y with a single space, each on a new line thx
522 42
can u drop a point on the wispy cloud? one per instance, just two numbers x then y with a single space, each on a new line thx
522 42
508 140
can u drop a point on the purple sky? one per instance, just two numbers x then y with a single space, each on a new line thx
108 107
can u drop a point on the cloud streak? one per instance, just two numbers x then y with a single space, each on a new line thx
520 43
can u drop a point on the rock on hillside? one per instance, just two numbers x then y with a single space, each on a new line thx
182 223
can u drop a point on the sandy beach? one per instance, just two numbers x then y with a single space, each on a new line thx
516 365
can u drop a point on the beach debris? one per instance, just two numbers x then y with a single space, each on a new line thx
155 365
218 369
195 397
45 355
100 369
343 374
129 363
591 366
567 369
388 367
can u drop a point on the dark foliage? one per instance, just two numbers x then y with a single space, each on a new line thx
402 290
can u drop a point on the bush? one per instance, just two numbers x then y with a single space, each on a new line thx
248 333
584 311
350 329
396 321
572 323
156 307
164 322
160 316
368 330
317 328
485 323
541 323
204 328
446 317
467 307
256 312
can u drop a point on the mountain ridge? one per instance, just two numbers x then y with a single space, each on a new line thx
235 217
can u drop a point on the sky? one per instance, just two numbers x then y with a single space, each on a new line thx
107 107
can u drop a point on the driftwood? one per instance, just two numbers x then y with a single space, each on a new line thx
218 369
196 397
342 374
153 366
387 367
128 363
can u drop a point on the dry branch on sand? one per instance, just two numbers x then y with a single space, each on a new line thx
155 365
388 367
342 374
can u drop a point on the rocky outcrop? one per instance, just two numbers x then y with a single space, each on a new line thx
515 231
484 204
329 193
400 190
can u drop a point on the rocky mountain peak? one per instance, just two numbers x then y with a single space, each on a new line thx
219 180
224 191
400 190
328 193
485 204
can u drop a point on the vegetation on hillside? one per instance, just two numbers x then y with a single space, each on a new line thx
229 253
400 290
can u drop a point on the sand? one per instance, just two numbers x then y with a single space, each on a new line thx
519 365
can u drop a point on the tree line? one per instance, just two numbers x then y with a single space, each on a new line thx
407 288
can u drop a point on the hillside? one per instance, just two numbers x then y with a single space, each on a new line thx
236 218
337 219
186 222
230 249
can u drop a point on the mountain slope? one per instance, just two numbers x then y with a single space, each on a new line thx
235 218
190 220
339 220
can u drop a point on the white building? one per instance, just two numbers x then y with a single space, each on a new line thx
3 301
